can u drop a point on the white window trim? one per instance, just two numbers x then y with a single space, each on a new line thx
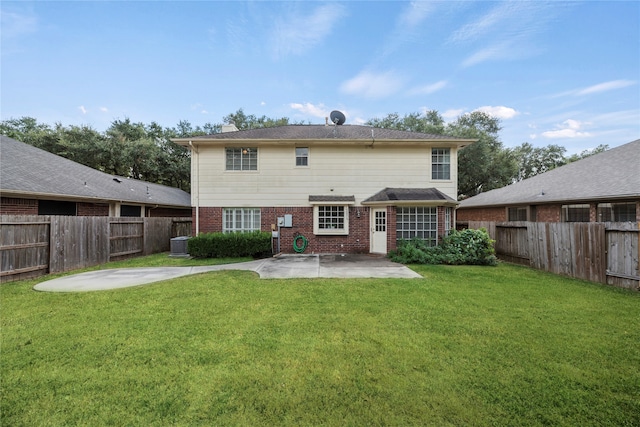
295 157
433 164
242 170
256 211
330 232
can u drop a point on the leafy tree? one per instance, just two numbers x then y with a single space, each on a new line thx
586 153
485 164
244 122
536 160
430 122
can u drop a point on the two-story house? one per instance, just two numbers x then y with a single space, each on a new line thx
346 189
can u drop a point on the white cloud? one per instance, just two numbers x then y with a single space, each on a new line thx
370 85
497 51
104 109
452 113
299 32
484 24
415 13
82 109
506 32
310 109
429 89
606 86
568 129
500 111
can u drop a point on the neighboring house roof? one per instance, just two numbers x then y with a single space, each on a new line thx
409 195
27 171
611 175
326 132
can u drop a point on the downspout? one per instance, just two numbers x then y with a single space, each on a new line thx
196 182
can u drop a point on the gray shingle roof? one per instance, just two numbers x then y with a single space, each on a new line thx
322 132
29 171
613 174
409 194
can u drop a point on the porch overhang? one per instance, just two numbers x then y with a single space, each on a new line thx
410 197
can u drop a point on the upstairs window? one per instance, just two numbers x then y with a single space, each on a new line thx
440 163
302 156
242 158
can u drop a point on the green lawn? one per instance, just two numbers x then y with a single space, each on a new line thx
475 346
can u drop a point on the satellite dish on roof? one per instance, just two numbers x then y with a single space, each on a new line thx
337 117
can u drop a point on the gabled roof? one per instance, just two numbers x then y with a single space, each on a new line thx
325 133
27 171
611 175
396 195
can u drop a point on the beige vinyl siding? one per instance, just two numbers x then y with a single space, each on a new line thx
347 170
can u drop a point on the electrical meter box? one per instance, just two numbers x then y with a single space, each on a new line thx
285 221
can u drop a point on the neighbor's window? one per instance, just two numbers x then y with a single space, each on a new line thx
130 210
302 156
331 219
440 163
575 213
241 219
56 207
517 214
617 212
242 158
417 222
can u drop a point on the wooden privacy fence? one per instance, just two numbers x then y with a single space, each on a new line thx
35 245
599 252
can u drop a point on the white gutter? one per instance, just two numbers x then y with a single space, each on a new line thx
196 182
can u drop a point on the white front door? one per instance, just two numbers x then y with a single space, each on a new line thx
379 231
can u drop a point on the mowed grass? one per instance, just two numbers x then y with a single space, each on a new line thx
478 346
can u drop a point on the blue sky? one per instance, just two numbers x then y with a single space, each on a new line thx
564 73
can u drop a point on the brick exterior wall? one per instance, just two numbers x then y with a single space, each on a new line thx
548 213
543 213
498 214
12 206
92 209
357 241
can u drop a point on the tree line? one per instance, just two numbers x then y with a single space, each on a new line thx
146 152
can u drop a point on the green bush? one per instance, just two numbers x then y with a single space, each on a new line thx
223 245
471 247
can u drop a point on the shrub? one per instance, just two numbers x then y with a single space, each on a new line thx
473 247
222 245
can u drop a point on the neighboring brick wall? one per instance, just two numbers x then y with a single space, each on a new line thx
92 209
548 213
497 214
13 206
